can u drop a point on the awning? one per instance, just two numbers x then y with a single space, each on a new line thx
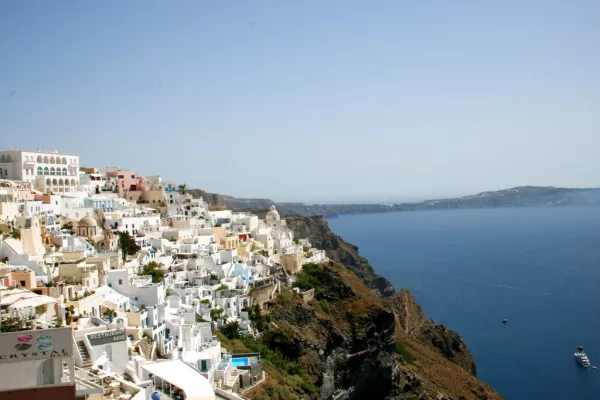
32 302
176 372
12 295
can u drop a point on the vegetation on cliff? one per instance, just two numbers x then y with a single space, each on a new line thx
350 339
316 230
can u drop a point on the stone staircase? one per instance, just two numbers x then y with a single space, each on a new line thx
85 355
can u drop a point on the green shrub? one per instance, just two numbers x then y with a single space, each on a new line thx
309 277
403 353
216 313
324 305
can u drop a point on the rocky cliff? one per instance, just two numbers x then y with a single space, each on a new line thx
372 343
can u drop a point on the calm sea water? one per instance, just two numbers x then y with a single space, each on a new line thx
469 269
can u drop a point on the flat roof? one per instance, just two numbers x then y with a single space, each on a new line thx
55 152
178 373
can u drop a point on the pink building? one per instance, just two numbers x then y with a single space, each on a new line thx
126 180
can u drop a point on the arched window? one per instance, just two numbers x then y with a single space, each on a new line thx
46 171
2 158
73 182
64 160
64 172
61 182
47 181
67 183
46 160
52 161
52 172
54 182
40 171
39 159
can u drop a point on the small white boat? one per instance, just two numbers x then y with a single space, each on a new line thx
582 358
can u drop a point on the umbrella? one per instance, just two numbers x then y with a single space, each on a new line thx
9 297
32 302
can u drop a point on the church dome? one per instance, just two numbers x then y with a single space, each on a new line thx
273 210
88 221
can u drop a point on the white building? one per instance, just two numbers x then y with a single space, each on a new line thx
132 220
47 171
139 289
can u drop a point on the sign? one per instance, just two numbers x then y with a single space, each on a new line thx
38 344
107 337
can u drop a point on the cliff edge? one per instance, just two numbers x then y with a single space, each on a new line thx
316 230
413 357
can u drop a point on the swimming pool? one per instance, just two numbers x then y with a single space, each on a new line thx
239 362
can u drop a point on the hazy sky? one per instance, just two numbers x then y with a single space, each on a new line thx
310 100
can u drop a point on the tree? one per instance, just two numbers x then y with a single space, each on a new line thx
127 245
231 330
182 188
155 270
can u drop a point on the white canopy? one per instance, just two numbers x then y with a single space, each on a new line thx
178 373
35 301
10 296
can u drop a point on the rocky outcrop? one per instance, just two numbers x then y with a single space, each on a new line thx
316 230
345 340
437 363
411 323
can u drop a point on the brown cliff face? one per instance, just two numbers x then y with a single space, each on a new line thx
344 338
411 323
432 361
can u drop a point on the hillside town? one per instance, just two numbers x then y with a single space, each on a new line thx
115 285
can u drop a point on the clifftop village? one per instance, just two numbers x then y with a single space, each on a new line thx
114 285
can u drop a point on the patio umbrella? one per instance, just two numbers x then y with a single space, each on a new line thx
32 302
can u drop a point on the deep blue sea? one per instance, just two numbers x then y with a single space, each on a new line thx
469 269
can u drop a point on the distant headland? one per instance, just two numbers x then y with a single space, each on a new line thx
522 196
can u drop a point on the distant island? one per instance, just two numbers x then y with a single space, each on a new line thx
522 196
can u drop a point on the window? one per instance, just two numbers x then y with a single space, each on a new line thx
120 281
132 176
46 171
39 171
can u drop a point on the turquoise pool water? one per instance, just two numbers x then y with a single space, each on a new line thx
239 362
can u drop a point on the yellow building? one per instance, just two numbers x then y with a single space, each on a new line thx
230 242
244 249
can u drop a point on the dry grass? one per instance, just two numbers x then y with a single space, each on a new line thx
444 376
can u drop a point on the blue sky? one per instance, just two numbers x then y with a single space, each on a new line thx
311 100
